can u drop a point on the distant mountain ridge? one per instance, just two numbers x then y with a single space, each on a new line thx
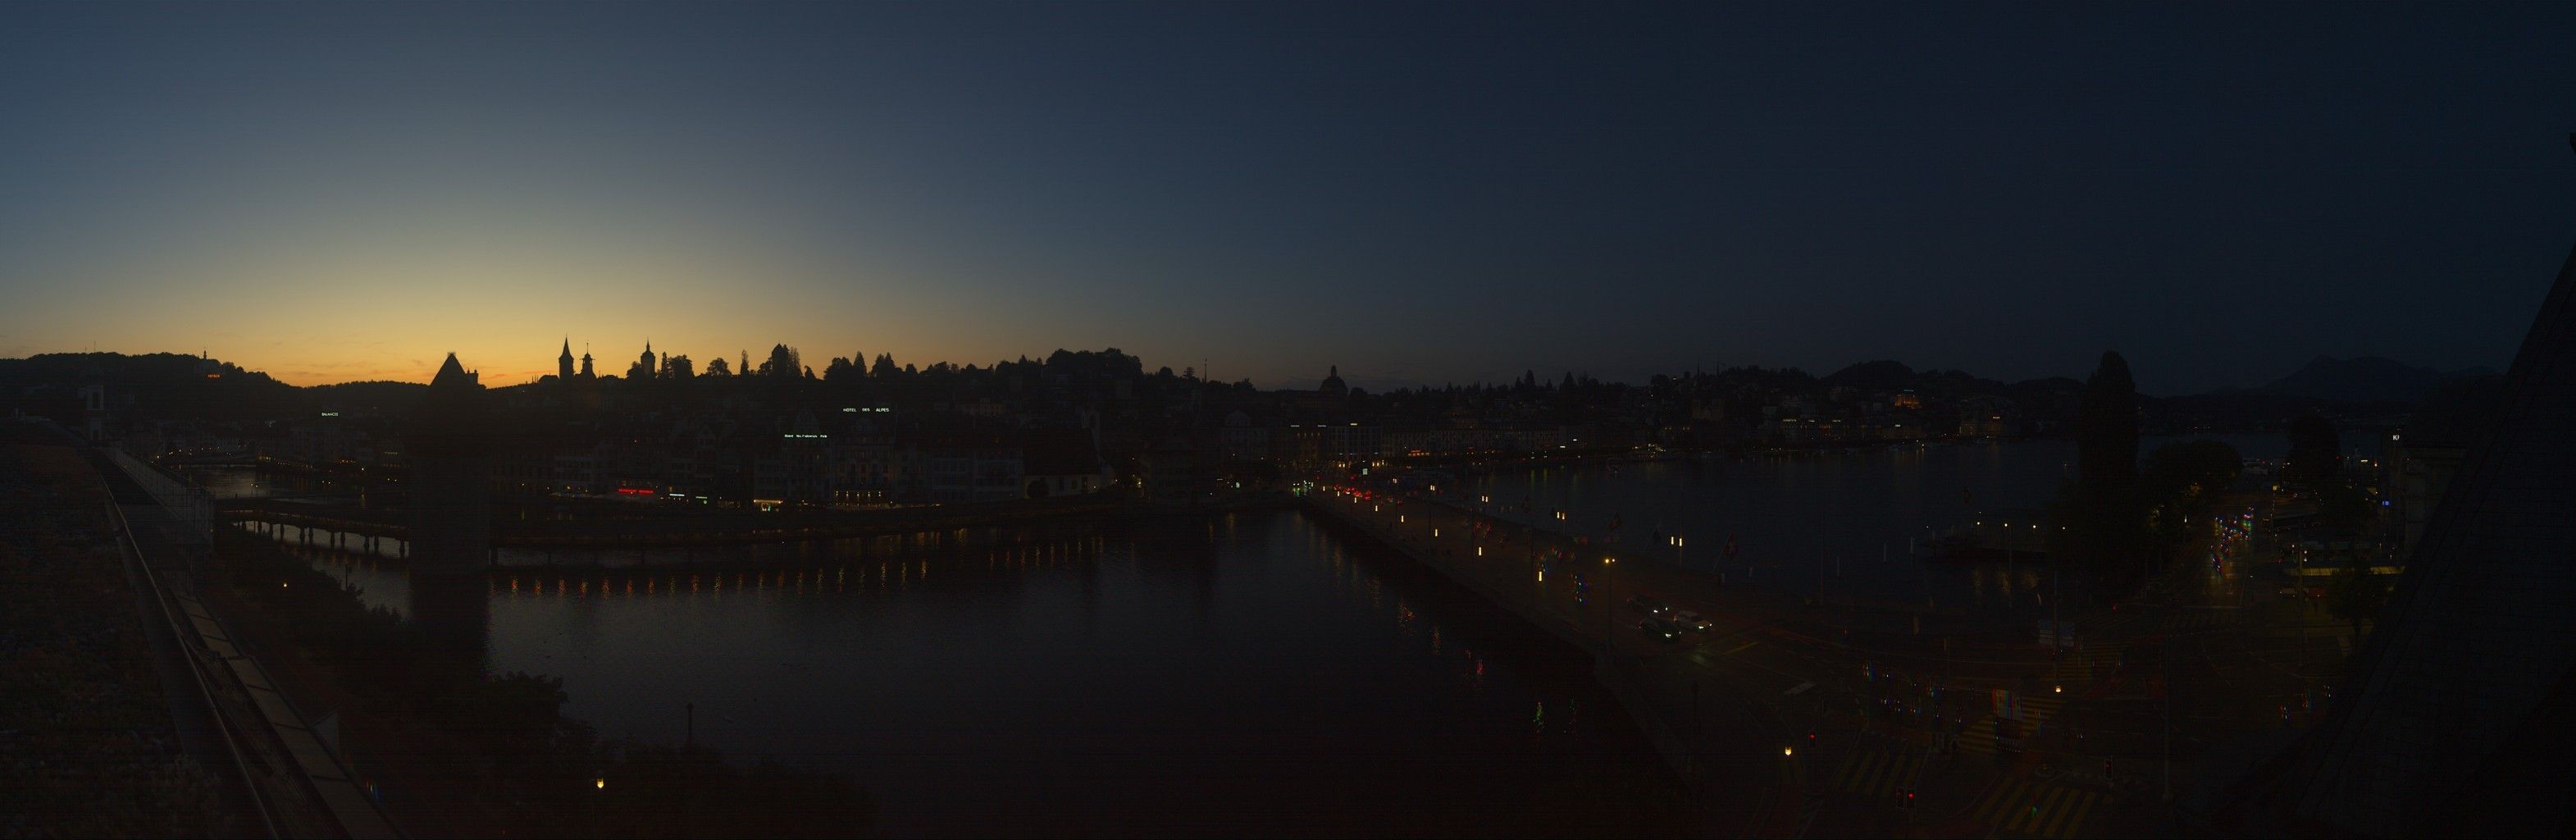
1889 375
2362 380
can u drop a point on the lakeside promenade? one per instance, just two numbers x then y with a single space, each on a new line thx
1790 717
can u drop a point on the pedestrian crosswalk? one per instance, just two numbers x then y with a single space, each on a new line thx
2036 710
2117 623
2093 661
1880 772
2025 808
2199 620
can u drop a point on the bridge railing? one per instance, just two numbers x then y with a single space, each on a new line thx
183 500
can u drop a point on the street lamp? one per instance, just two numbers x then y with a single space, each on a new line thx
1609 607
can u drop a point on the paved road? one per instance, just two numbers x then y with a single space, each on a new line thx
1868 707
1837 724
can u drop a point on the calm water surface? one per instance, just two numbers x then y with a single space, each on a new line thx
1247 673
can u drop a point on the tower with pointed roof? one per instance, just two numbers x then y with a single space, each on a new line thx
450 495
563 363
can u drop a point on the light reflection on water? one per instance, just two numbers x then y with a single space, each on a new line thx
1253 660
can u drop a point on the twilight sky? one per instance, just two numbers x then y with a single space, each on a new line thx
1418 193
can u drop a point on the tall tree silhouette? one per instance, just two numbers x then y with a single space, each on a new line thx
2108 523
782 363
2315 456
2106 428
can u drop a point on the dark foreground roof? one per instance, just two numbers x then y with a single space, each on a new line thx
2458 719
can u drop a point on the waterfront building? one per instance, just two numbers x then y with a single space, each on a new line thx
1327 401
1169 472
1063 462
968 466
2422 456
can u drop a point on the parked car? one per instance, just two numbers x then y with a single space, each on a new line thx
1692 621
1659 630
1647 605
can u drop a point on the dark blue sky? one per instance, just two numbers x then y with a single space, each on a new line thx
1418 193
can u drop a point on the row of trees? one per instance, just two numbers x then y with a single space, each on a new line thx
2125 519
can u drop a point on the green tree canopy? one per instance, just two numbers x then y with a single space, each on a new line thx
782 363
2315 455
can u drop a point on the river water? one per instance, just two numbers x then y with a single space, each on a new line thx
1245 673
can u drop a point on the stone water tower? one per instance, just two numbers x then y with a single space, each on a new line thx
451 465
451 520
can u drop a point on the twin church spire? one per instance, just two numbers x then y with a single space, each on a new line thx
647 365
563 363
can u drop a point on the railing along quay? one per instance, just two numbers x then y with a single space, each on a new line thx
295 782
647 533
